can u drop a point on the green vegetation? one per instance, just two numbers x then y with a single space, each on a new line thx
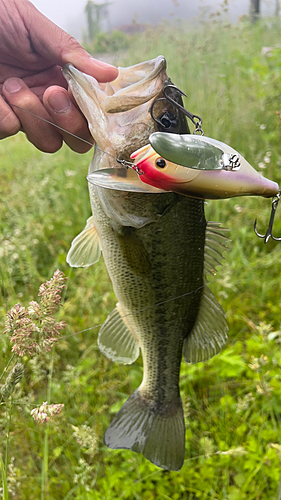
233 402
109 42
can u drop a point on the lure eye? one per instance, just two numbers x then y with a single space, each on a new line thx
160 163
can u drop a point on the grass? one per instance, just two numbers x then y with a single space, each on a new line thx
233 402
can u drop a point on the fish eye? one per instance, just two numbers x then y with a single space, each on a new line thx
160 163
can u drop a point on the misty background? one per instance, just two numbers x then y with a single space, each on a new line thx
70 15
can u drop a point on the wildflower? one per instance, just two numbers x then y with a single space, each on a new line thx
238 208
70 173
254 364
243 403
277 447
50 292
86 438
266 51
264 388
12 380
207 446
267 158
257 363
45 412
235 452
34 329
83 475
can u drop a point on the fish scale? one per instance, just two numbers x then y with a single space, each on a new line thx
154 249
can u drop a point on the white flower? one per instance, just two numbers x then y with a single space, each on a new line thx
70 173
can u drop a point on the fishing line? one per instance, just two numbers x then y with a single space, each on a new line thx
125 163
137 312
122 162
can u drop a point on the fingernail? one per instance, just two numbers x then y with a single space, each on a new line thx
59 102
12 85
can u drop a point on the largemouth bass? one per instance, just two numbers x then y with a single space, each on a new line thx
157 248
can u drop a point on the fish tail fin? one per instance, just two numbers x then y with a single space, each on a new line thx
158 433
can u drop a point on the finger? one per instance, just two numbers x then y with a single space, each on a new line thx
9 122
43 135
60 48
83 61
65 114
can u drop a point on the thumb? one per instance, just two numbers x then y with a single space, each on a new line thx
58 47
72 52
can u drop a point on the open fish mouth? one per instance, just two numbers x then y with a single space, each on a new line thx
105 104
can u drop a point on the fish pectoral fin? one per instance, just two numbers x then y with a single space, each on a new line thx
209 333
85 249
116 340
141 427
216 242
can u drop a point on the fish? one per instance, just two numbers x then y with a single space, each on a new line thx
205 169
158 249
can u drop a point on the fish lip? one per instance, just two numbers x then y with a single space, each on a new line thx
131 92
125 81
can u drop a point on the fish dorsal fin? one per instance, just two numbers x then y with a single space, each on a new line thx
216 241
209 333
116 340
85 249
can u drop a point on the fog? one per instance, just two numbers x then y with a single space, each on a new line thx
69 14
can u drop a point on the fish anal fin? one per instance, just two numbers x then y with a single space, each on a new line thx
116 340
85 249
141 427
209 333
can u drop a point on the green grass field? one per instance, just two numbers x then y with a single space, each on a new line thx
233 402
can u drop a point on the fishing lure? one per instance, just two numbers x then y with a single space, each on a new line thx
190 165
199 167
174 147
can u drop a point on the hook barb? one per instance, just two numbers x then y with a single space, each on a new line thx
196 120
268 233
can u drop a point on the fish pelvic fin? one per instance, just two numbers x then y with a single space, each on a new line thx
209 333
85 249
157 433
116 340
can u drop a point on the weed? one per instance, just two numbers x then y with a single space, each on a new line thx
232 402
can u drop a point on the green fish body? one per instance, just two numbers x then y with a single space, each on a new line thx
157 248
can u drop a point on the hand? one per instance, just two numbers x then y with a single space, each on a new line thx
32 53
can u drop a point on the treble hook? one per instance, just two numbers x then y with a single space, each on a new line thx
268 233
191 116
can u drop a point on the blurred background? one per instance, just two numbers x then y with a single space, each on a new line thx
72 16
